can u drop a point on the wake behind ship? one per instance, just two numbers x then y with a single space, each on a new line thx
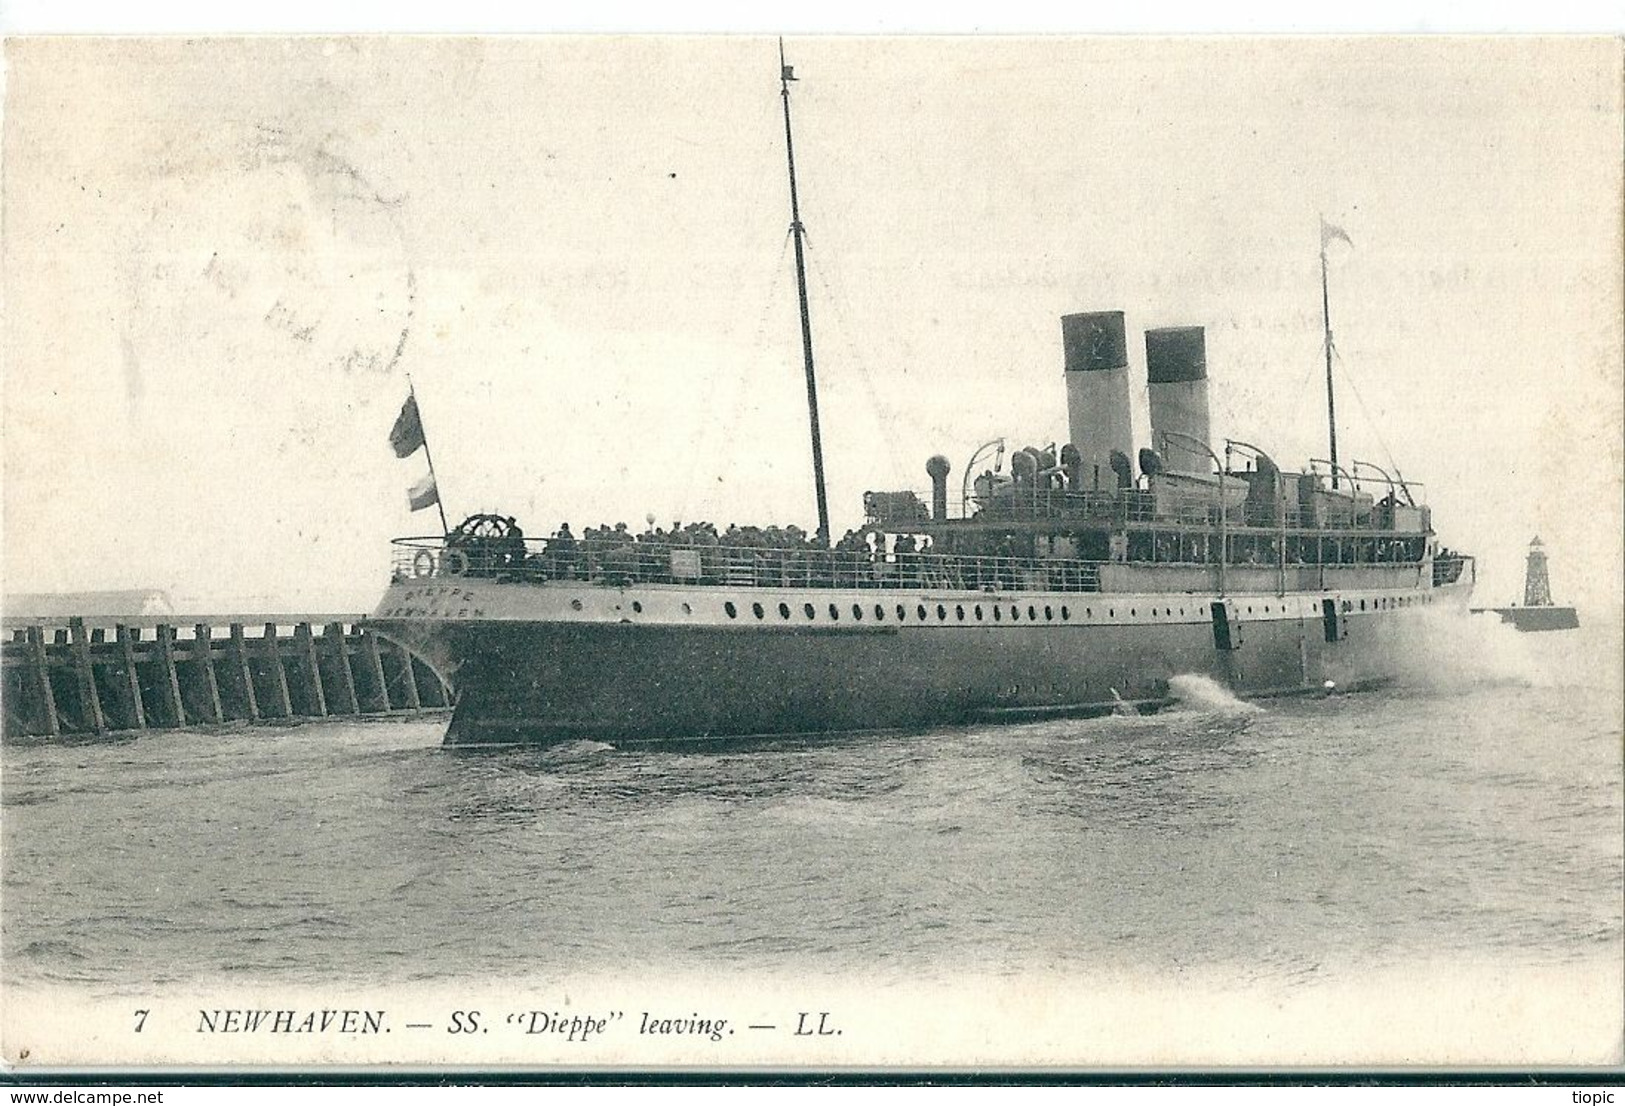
1084 576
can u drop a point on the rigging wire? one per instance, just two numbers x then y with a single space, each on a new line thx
1376 426
698 458
882 411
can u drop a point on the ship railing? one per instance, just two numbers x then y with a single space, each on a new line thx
1447 570
904 512
609 564
637 562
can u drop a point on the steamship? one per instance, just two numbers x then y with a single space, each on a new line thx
1063 580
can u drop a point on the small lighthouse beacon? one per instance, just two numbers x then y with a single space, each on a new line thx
1538 611
1537 585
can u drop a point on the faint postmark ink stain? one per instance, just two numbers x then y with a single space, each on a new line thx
297 247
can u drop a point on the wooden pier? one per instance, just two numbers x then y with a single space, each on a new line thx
91 675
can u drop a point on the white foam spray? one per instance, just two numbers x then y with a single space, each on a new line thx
1203 693
1452 650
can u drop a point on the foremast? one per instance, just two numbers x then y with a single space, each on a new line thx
786 75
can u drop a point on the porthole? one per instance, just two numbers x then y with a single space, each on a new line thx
1266 609
784 610
857 612
834 613
756 609
978 612
959 612
1088 612
733 611
1049 613
575 604
808 610
1249 609
902 613
998 614
920 612
880 613
1111 612
637 608
942 613
687 609
1032 614
1015 614
1134 612
1066 613
1362 604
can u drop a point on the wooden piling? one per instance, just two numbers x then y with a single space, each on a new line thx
409 678
270 647
306 644
375 666
137 716
339 646
38 662
245 675
170 689
90 700
77 677
203 655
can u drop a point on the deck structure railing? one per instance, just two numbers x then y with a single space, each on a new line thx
618 564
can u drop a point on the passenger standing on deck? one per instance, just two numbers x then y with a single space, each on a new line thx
563 548
513 542
907 567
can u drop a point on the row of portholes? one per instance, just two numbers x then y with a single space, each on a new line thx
1388 603
978 612
922 613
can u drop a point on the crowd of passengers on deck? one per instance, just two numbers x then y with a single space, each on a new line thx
789 556
690 552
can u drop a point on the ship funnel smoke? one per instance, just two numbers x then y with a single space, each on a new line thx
1098 393
1176 369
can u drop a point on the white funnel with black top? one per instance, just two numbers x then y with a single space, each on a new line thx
1098 394
1176 369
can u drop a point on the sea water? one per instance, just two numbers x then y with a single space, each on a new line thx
1467 819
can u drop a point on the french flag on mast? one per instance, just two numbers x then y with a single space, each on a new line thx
406 437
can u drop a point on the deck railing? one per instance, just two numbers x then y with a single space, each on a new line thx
613 564
1166 505
636 562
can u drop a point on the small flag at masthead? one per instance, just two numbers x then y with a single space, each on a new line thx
1330 233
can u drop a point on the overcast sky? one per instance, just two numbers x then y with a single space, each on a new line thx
223 257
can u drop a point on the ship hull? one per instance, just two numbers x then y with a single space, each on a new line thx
646 664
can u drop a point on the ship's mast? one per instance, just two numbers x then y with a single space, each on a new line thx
1326 316
785 77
